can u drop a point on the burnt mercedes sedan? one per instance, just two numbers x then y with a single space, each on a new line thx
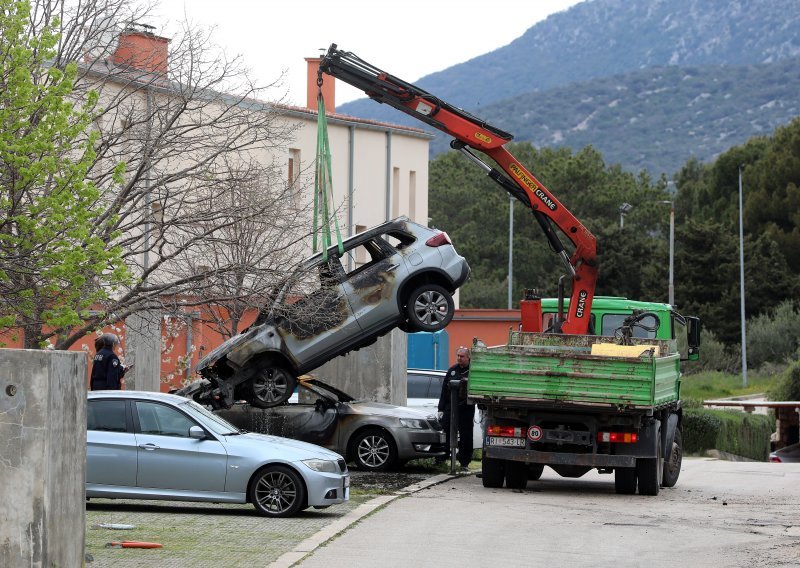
398 274
373 435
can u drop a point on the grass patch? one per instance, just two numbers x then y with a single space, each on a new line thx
714 384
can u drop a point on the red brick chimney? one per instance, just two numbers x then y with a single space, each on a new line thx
328 87
142 50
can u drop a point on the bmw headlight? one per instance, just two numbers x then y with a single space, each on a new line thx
413 423
323 466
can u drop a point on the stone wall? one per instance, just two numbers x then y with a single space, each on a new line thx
42 458
376 372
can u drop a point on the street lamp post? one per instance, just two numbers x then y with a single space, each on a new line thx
623 210
741 284
671 288
510 248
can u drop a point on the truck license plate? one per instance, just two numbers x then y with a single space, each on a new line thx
498 441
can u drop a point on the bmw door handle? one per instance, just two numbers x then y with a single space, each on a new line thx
392 267
149 447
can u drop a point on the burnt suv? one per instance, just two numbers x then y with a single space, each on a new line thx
397 274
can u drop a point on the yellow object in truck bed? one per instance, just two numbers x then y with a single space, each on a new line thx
612 350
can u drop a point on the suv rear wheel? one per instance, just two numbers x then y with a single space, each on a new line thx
429 308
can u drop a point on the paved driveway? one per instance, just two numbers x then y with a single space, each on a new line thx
721 514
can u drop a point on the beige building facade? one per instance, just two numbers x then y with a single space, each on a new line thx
379 172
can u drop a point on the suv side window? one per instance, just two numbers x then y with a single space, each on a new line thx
398 240
435 389
106 416
161 420
363 256
418 386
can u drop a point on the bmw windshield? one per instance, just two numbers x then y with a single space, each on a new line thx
218 425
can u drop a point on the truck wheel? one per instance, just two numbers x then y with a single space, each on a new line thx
672 465
649 471
270 387
535 471
493 472
625 480
516 475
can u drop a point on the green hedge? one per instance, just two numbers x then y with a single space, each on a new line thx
731 431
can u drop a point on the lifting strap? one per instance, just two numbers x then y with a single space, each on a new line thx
323 185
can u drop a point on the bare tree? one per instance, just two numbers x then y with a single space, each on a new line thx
189 161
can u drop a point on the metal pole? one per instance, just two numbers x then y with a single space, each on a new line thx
510 248
671 253
741 284
454 386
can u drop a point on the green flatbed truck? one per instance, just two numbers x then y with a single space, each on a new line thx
576 402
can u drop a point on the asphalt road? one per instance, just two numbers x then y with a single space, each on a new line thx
720 513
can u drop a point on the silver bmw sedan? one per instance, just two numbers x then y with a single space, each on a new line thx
146 445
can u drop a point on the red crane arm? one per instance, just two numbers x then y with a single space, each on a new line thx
473 133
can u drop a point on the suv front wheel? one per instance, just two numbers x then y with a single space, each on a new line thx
271 386
429 308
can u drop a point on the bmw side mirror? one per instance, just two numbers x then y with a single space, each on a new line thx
197 433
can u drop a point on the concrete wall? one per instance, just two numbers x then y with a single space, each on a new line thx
143 347
376 372
42 458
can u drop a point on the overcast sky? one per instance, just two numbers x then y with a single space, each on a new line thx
408 39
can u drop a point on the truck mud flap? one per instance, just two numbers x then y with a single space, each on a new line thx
557 458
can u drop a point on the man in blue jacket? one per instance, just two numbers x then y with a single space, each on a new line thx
107 369
466 411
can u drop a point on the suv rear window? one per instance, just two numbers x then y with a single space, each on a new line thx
398 240
424 386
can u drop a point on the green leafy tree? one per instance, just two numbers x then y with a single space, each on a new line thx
175 227
53 264
474 210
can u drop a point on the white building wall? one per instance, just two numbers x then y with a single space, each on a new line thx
371 172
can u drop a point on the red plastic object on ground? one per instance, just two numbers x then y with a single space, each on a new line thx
133 544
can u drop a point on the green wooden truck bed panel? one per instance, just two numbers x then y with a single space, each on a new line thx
560 368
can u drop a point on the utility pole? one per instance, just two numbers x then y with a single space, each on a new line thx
741 284
623 210
510 248
671 286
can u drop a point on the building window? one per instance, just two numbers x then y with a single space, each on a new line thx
293 174
157 213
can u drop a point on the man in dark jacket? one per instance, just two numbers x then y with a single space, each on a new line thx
466 411
107 370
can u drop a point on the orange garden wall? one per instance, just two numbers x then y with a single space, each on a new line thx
186 338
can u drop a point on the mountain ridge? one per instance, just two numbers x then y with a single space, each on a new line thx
566 49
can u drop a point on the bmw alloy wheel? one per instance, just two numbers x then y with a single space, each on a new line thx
277 492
